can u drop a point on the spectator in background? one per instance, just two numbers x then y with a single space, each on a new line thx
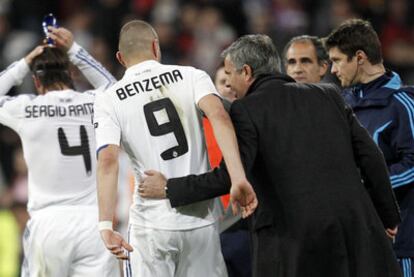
386 110
305 59
397 37
211 35
288 18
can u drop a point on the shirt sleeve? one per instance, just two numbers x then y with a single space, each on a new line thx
94 72
107 128
402 141
203 86
12 110
13 75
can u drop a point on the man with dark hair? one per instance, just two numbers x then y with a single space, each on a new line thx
305 155
61 238
386 110
305 59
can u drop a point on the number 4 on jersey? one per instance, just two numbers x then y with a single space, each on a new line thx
82 149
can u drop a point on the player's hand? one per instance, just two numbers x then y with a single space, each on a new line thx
391 233
153 186
115 243
33 54
242 195
63 37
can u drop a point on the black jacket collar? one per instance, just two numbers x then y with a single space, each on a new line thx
266 77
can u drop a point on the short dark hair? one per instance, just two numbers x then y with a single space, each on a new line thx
51 67
321 53
354 35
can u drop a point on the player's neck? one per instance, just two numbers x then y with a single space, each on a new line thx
372 72
57 86
137 59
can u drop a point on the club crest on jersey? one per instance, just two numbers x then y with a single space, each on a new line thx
149 84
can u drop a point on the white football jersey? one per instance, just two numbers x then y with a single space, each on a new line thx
57 135
153 114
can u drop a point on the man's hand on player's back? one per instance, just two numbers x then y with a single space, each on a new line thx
153 186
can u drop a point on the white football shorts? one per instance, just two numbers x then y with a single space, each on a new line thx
184 253
65 241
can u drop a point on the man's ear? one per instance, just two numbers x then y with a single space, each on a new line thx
248 72
360 56
156 49
38 84
323 68
120 59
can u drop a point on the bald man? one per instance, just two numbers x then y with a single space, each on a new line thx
154 113
305 59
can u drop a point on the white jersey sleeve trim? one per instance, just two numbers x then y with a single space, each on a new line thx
96 74
13 75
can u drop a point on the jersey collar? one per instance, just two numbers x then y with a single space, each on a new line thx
374 93
141 66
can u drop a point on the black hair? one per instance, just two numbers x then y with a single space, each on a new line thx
354 35
52 67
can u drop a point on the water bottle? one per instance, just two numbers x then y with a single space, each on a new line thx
49 20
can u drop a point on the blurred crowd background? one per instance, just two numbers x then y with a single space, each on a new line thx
192 32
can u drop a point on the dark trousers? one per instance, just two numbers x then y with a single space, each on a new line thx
236 252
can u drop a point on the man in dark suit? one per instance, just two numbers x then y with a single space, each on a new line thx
325 201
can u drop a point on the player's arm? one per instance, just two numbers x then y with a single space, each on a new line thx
14 74
402 138
107 190
185 190
241 190
107 181
108 136
12 108
224 134
94 72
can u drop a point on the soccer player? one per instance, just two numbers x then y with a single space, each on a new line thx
154 113
55 126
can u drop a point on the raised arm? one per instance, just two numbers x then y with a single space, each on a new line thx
14 74
94 72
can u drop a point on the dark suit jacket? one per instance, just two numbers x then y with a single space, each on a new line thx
306 155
